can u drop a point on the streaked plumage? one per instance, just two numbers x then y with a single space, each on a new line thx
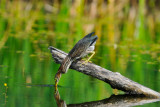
81 49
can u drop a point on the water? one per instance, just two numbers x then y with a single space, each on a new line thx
128 43
27 77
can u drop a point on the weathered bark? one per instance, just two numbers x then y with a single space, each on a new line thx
115 79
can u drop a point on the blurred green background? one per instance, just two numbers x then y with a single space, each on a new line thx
129 43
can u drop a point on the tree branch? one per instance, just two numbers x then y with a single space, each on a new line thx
115 79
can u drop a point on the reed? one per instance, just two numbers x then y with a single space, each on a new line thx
128 43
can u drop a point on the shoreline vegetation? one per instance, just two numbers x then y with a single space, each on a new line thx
129 43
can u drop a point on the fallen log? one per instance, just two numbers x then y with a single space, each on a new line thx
115 79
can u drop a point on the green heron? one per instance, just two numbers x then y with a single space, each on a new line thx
83 47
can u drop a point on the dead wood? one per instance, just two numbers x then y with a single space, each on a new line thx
115 79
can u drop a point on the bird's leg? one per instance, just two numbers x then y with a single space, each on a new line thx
89 58
86 58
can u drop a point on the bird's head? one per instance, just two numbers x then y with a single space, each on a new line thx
57 77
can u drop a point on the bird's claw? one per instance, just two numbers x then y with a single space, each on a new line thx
84 63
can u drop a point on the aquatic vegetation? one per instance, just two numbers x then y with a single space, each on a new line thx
129 43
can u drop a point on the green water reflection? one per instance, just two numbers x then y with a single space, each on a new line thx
129 43
27 77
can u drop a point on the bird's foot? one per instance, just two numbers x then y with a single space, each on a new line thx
88 60
85 62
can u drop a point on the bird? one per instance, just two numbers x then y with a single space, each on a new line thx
82 48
